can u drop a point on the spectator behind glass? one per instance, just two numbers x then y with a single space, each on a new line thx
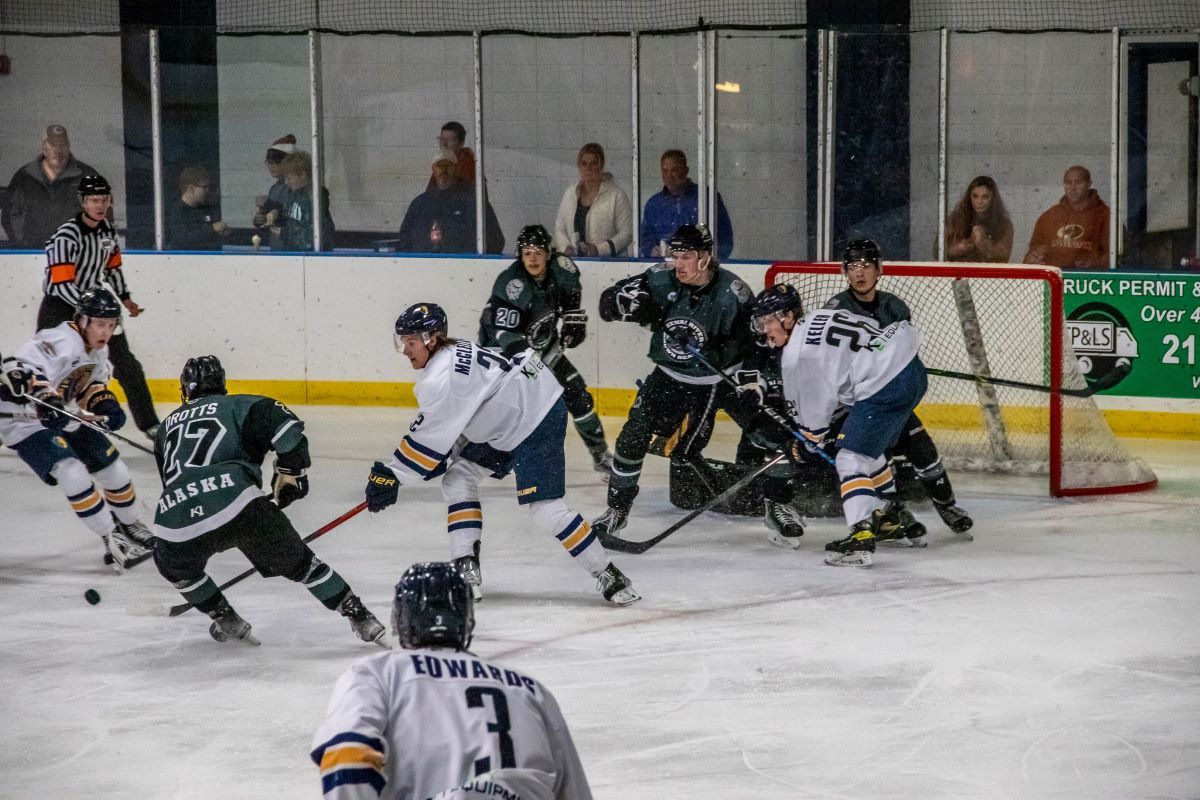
269 207
442 219
594 217
452 139
296 234
979 228
1072 234
675 206
192 224
42 194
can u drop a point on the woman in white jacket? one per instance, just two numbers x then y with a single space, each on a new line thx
594 217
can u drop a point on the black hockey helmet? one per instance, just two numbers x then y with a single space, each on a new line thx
201 376
691 237
533 236
861 250
433 606
773 301
98 303
90 185
426 319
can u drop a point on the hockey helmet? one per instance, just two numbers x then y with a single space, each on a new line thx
433 606
774 301
91 185
861 250
533 236
427 319
201 376
691 237
98 303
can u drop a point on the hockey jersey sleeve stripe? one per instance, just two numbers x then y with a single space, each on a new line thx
283 429
62 273
420 460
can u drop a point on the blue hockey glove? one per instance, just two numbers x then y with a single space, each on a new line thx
383 488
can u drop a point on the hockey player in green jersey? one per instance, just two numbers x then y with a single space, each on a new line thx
209 452
528 299
689 302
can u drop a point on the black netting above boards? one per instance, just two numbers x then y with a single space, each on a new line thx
575 17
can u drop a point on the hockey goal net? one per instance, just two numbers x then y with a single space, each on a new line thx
1002 322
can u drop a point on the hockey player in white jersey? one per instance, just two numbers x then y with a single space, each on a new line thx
66 367
833 358
432 720
510 408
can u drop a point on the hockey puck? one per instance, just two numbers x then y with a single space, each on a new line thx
92 596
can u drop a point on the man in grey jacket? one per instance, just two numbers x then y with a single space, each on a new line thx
43 194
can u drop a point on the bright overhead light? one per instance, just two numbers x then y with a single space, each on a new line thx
728 86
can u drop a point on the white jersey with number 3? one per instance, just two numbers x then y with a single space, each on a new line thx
835 358
472 391
425 723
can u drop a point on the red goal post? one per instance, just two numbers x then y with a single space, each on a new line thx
1000 321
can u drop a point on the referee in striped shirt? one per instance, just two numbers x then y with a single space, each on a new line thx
81 253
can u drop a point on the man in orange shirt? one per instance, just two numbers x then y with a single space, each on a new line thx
1073 233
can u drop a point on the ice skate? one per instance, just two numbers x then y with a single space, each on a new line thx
121 551
470 569
362 622
602 461
956 519
608 523
897 527
615 587
856 549
139 534
784 524
227 624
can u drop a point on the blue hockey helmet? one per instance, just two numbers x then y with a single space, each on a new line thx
201 376
426 319
98 303
774 301
433 606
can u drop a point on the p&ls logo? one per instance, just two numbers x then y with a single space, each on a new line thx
1102 340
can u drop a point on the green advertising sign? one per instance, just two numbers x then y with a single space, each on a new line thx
1150 321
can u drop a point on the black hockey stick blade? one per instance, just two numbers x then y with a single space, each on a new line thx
1100 384
620 545
319 532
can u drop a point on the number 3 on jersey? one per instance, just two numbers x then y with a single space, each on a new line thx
206 433
500 727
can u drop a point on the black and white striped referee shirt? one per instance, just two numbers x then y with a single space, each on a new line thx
78 258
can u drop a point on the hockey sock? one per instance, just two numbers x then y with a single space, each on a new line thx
573 532
590 430
324 583
464 512
201 593
119 491
85 499
937 483
859 476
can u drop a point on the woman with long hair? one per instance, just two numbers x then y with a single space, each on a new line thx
979 228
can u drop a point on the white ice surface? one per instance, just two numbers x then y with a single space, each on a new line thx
1057 656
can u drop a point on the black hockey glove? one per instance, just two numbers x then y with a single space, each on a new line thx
811 450
751 389
383 488
574 327
103 404
288 485
15 382
766 433
49 414
630 300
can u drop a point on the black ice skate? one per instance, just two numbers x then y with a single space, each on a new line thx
615 587
856 549
362 622
141 536
121 550
956 519
228 625
602 460
784 524
897 527
608 523
470 569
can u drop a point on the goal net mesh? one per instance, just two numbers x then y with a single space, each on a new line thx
998 327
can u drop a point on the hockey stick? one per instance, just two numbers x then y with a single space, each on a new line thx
319 532
92 425
620 545
1103 382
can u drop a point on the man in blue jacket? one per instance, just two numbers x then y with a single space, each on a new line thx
675 205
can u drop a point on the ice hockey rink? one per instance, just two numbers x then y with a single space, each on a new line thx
1056 656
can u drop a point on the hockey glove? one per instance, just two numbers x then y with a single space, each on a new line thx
383 489
49 414
288 485
15 382
810 450
574 327
103 404
630 298
751 389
